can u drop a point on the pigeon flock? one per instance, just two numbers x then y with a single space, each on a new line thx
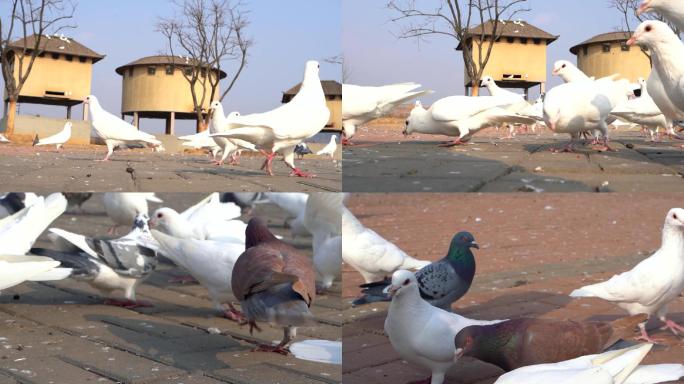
236 262
581 106
423 328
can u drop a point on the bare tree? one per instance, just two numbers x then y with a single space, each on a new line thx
206 35
28 19
339 60
456 19
630 19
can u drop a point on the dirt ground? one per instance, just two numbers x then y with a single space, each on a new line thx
534 250
383 160
60 332
75 169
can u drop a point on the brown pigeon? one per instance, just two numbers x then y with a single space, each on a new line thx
274 284
521 342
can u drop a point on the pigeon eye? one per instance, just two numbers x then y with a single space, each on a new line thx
407 281
674 216
563 66
160 215
648 28
406 123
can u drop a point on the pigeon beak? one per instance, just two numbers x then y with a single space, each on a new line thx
632 40
555 72
392 290
458 354
644 7
474 245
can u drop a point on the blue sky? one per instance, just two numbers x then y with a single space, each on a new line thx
286 35
375 56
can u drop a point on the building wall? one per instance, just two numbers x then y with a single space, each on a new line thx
630 64
516 58
27 127
159 92
57 75
335 107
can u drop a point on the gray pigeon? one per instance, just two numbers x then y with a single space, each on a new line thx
440 283
108 265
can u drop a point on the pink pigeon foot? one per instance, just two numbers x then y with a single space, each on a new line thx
570 148
129 304
454 143
268 163
299 173
645 337
272 348
674 327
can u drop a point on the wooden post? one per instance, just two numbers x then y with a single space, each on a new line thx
4 111
170 124
68 111
527 94
136 120
542 88
85 111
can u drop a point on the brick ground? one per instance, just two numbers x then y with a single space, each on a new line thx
534 251
59 332
75 169
383 160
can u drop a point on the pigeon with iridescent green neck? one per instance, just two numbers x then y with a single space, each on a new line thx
440 283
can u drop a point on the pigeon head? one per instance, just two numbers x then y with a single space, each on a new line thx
68 125
651 33
164 219
464 240
311 70
567 71
487 81
675 218
215 106
415 119
257 232
402 281
91 99
464 341
233 115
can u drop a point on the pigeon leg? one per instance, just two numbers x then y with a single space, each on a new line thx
453 143
281 347
645 337
603 146
299 173
110 150
674 327
268 162
233 314
129 304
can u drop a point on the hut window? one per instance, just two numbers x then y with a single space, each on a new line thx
523 40
187 71
510 39
585 49
55 56
169 69
69 58
203 72
537 41
82 59
130 71
151 70
625 47
606 47
42 54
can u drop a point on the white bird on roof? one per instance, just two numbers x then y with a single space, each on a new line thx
58 139
115 131
362 103
329 148
281 129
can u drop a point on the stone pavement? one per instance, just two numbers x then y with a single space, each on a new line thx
44 170
59 332
523 164
534 251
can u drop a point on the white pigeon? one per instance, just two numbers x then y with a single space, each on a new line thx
329 148
14 202
207 220
419 332
123 207
221 123
201 140
652 283
57 139
19 231
667 77
209 262
3 139
115 131
15 269
613 367
294 203
323 219
281 129
362 104
642 111
107 264
672 10
462 116
494 90
370 254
